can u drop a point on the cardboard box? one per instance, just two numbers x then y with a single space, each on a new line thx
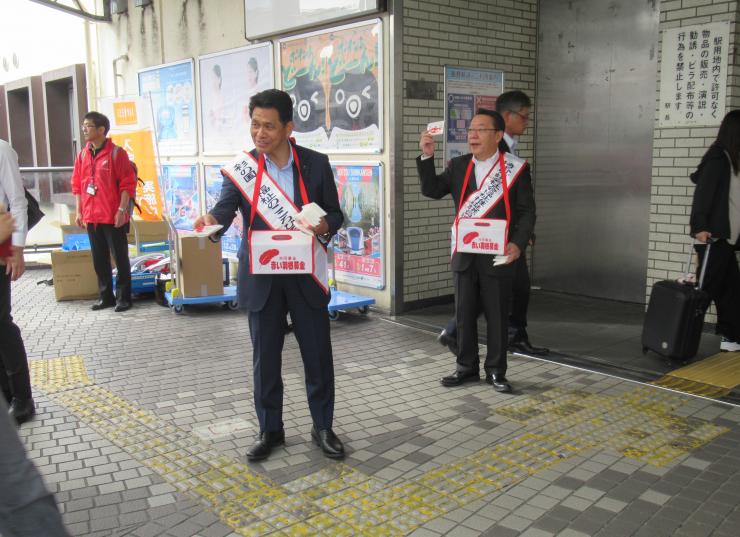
201 269
74 275
481 236
148 231
281 252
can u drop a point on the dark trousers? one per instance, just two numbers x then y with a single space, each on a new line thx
27 509
519 299
475 292
311 329
722 284
104 240
15 380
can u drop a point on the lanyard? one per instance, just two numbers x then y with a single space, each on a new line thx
258 183
504 185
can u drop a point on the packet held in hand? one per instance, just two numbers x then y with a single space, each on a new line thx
310 215
436 127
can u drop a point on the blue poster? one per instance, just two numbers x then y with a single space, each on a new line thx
180 187
173 106
232 239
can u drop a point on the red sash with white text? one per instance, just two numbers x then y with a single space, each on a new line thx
274 207
495 186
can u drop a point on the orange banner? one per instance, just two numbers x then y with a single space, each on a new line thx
138 145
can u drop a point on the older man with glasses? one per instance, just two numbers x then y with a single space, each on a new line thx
485 184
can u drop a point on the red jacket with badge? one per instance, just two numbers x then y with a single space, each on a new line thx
111 174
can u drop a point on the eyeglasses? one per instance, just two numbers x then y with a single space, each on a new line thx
524 118
478 131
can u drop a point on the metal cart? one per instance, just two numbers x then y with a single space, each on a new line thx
341 300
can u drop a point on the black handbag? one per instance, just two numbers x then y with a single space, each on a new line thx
35 214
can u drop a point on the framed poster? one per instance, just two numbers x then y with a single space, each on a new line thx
466 90
693 75
227 80
173 103
179 183
212 182
263 18
335 80
359 249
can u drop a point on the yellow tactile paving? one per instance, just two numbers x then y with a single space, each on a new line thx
57 374
715 376
341 501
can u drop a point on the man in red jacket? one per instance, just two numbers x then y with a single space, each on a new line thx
103 182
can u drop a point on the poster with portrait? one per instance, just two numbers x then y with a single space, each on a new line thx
335 80
227 82
181 200
212 181
173 104
359 250
467 90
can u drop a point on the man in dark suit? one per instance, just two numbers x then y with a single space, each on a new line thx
514 108
293 176
479 284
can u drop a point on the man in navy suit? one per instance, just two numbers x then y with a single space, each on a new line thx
294 176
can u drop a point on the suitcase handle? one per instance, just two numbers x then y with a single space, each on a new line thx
703 269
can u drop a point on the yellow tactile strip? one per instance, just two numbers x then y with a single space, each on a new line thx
339 500
715 376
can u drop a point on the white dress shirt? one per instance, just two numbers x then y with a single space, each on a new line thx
12 195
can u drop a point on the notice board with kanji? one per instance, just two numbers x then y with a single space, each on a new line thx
693 80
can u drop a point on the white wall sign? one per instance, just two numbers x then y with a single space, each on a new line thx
693 80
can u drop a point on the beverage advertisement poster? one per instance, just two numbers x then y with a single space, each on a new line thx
173 102
131 129
227 80
334 79
467 90
232 239
359 250
180 186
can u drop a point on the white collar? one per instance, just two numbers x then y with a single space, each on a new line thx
511 142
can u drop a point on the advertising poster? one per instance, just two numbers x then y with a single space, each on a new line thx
227 81
467 90
358 246
232 239
131 129
180 186
693 78
173 103
334 79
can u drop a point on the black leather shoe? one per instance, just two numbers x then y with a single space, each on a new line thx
525 347
22 410
446 340
263 447
328 442
122 305
458 378
499 383
102 304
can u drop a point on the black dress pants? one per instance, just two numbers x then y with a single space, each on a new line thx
104 240
311 329
722 284
15 380
476 291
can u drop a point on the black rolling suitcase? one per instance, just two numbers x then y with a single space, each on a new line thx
675 317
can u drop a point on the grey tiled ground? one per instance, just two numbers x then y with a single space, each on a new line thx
400 426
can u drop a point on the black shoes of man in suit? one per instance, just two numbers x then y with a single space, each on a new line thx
499 382
22 410
519 342
447 340
325 439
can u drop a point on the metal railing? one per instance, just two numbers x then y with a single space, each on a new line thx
52 188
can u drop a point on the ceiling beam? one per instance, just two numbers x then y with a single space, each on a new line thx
78 11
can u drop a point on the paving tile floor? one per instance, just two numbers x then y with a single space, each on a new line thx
144 418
